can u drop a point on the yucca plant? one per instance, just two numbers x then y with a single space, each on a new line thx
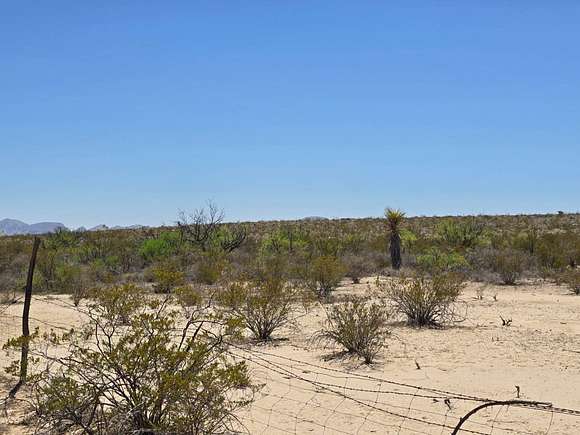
394 221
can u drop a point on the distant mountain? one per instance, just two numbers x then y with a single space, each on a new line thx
12 226
314 218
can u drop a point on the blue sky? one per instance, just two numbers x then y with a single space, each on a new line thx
123 112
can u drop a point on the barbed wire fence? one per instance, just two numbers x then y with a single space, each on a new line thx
304 397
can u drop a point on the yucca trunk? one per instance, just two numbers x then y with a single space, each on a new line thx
395 249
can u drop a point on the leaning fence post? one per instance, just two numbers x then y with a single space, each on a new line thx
25 314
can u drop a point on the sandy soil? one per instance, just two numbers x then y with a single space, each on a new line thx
308 389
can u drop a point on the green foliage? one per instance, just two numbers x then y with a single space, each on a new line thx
211 267
509 264
148 373
557 250
435 260
265 303
358 326
464 234
571 278
425 301
161 247
356 267
167 276
283 240
395 219
324 275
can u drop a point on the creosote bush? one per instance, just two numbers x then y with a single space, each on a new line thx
324 275
426 302
571 278
167 276
358 326
262 305
211 267
509 265
159 370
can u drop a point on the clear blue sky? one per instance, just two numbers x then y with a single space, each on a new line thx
123 112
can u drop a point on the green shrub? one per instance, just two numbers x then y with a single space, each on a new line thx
357 326
210 267
263 305
160 248
425 301
572 279
356 267
167 276
509 264
463 234
324 275
435 260
154 375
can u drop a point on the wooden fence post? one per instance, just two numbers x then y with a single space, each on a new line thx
25 314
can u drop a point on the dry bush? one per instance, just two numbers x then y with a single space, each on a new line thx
358 326
425 301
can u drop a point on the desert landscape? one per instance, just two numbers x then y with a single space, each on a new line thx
500 342
290 217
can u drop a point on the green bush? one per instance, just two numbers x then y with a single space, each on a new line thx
465 234
166 277
160 248
324 275
357 326
435 260
509 264
211 267
425 301
572 279
156 374
263 305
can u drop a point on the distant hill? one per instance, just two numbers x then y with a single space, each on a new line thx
11 227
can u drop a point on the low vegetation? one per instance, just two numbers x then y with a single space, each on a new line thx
133 369
425 301
358 326
164 303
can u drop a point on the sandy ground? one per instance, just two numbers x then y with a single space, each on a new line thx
307 389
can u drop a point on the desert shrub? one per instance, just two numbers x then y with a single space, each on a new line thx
358 326
356 267
324 275
436 260
160 248
284 240
572 279
464 234
72 279
166 277
555 251
509 265
425 301
210 267
263 305
157 374
118 302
